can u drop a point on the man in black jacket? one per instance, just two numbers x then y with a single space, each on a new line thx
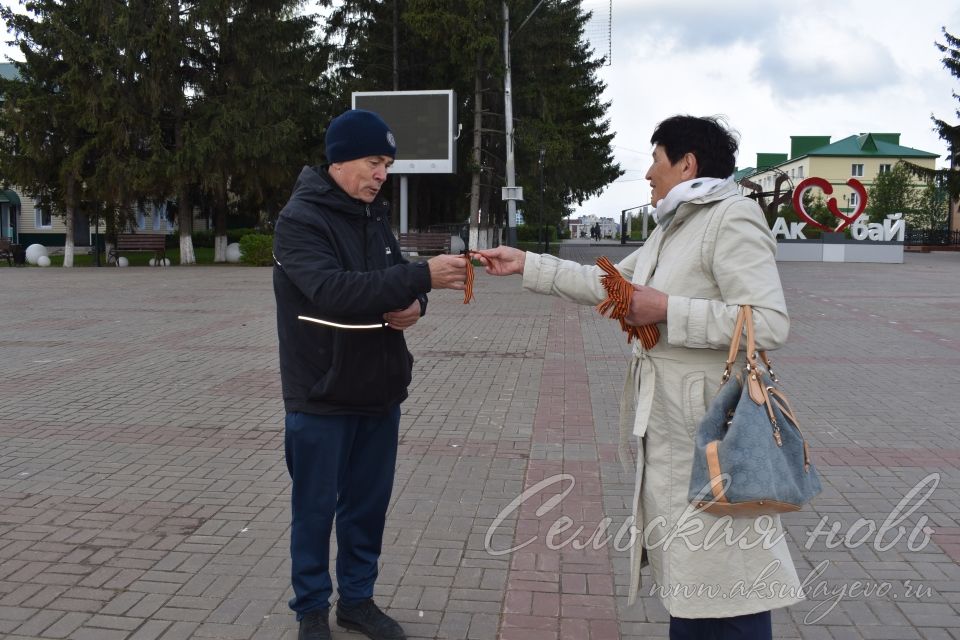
344 296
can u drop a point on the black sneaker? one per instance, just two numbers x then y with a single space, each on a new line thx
366 617
315 626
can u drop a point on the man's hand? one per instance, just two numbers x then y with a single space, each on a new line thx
647 306
405 318
502 261
448 272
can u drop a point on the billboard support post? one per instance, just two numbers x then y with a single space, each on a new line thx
424 124
404 215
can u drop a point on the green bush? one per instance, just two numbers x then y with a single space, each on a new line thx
256 249
205 237
537 247
235 235
531 232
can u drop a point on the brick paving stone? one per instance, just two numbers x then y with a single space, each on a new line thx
143 492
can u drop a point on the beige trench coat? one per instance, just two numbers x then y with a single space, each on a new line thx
716 254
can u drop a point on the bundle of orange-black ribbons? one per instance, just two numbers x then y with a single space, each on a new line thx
617 304
468 292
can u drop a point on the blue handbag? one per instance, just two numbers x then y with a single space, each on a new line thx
750 457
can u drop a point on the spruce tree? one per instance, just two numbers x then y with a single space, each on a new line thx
949 178
558 108
459 46
951 133
376 48
466 34
47 144
256 89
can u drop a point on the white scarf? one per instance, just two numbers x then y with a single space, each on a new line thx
685 192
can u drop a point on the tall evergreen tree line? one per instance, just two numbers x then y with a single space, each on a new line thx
203 103
950 133
947 179
557 106
216 103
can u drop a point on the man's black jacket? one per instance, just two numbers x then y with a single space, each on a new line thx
336 259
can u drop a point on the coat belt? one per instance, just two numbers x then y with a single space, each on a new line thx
636 401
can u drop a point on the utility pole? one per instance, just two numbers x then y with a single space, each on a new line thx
400 185
511 192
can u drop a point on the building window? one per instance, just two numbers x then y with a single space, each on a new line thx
856 170
885 168
161 222
43 218
799 172
854 200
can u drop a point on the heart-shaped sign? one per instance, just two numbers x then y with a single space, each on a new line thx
827 188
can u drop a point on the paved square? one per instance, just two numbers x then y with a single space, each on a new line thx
143 492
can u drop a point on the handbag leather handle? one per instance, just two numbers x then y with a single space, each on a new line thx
752 351
745 318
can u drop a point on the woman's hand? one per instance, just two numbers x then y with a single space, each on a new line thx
647 306
502 261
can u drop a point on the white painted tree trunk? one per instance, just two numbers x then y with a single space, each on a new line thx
220 249
477 161
107 248
483 241
186 249
68 222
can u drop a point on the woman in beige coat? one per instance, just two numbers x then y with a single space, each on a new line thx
710 253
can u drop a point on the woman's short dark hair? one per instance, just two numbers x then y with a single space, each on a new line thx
708 139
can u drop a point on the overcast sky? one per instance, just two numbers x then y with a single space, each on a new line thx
774 69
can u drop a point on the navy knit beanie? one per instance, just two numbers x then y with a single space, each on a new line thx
357 134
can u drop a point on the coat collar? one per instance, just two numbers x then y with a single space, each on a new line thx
316 187
691 207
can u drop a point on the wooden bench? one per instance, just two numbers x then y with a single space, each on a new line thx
140 242
424 242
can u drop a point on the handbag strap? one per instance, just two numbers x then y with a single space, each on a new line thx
745 319
758 392
742 315
752 351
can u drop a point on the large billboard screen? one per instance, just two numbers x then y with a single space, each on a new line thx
423 122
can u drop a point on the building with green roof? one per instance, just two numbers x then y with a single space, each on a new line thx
863 156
